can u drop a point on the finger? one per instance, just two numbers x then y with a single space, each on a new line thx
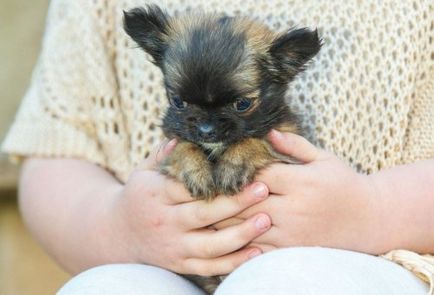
280 178
176 192
271 238
211 244
264 247
221 265
272 206
228 222
157 155
295 146
204 213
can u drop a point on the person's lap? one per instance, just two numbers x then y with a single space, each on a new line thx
321 271
286 271
131 279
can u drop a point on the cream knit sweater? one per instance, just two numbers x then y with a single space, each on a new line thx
368 96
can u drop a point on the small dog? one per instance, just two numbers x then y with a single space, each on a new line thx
225 78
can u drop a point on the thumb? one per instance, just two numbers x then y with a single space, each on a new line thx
294 145
157 155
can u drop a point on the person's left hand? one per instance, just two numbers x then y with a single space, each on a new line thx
321 202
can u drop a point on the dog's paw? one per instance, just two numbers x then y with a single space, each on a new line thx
231 178
188 164
200 184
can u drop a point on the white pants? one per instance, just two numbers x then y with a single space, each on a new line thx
300 271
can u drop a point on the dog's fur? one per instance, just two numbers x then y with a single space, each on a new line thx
212 65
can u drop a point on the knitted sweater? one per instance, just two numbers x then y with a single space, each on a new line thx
368 96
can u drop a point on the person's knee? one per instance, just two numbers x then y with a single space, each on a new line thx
127 279
320 271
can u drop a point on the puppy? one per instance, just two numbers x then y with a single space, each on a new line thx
225 79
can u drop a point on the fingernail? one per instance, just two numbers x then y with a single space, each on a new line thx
259 190
262 222
276 134
169 146
254 252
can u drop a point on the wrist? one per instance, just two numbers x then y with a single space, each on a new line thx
110 228
387 216
376 223
97 243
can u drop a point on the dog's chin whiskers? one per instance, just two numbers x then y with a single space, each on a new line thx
211 157
213 149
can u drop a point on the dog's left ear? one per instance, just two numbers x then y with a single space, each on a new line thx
291 51
148 27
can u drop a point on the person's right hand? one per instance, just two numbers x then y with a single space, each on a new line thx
155 221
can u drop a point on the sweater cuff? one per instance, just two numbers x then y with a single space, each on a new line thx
49 138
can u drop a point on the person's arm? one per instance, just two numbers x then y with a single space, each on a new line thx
64 202
407 197
324 202
84 217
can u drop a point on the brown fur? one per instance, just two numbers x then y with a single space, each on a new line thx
235 168
238 165
189 164
212 65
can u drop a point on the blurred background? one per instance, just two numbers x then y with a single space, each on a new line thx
24 267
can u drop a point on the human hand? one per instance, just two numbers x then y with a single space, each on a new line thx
321 202
156 222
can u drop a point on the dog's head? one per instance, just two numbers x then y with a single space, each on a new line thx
225 76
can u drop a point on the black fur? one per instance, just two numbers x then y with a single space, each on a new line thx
214 52
199 65
147 28
291 51
208 65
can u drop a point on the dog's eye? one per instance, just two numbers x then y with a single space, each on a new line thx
177 102
242 104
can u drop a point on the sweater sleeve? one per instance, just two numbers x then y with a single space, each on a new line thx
55 116
419 139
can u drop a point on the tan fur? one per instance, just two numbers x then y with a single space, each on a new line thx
291 128
258 38
238 165
208 169
240 162
235 168
178 30
189 164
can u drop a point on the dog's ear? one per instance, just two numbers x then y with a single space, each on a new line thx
291 51
148 27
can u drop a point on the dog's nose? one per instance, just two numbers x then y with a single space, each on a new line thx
206 129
